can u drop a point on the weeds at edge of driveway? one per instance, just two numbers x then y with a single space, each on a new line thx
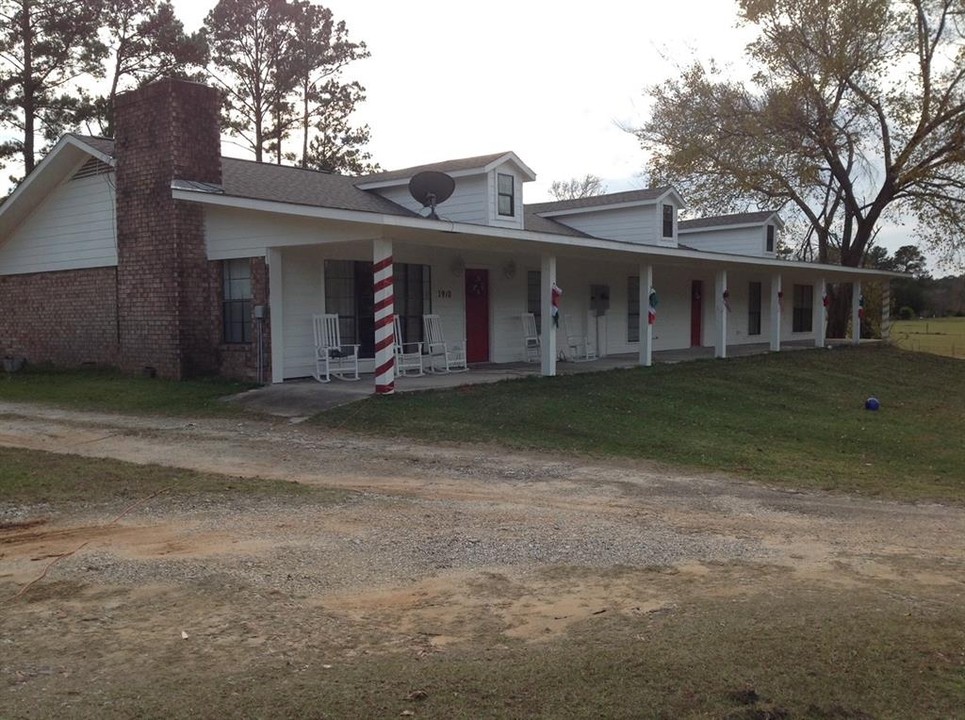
108 390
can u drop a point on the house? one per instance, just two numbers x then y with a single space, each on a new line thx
153 253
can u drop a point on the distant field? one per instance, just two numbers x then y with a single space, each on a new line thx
941 336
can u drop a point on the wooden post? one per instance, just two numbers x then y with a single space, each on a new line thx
721 306
777 300
548 326
384 309
276 316
646 329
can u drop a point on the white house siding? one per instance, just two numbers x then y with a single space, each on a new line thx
737 241
467 204
73 228
233 233
632 224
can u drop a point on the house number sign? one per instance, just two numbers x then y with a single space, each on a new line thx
444 294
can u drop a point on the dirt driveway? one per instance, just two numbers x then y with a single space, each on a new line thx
427 548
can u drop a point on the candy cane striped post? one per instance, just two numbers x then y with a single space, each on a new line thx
384 309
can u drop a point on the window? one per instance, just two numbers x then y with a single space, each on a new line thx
236 301
803 308
412 299
633 309
534 300
770 238
668 221
754 309
349 292
505 194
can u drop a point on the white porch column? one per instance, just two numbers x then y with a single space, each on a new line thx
720 308
777 301
548 327
885 309
276 315
819 313
384 309
646 329
856 312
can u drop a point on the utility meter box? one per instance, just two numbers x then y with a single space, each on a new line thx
599 299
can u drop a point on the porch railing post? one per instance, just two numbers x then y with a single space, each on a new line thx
777 301
384 309
548 319
646 329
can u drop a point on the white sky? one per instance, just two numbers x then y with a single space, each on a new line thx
547 80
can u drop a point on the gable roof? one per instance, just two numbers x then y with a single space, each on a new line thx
456 168
608 201
732 220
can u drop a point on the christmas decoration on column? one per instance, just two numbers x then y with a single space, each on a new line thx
555 293
652 309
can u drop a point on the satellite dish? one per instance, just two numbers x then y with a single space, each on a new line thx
431 188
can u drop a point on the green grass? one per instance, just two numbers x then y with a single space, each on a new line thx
109 390
33 476
941 336
794 418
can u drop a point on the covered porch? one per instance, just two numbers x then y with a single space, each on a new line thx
706 304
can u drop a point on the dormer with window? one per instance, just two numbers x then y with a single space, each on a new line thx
489 189
754 234
648 217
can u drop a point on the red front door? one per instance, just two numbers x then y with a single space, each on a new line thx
477 315
696 311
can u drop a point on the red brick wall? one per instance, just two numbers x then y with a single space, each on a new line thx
66 318
165 131
240 360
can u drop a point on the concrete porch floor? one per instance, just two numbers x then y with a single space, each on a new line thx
299 399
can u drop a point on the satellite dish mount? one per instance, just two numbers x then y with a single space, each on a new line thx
431 188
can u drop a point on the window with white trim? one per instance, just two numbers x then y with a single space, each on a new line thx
668 221
506 194
236 300
803 308
770 238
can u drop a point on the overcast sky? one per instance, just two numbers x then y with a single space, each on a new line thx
551 81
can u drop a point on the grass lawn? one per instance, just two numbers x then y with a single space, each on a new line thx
32 476
794 418
942 336
109 390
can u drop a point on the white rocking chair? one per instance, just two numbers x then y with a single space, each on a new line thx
331 356
443 357
408 356
531 344
578 348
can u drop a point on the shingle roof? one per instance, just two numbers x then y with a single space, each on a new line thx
100 144
537 223
721 220
619 198
283 183
446 166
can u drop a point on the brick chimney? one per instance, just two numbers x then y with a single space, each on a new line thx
165 131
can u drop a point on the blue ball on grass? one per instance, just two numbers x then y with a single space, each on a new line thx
872 403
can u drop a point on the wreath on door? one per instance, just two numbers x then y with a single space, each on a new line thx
476 287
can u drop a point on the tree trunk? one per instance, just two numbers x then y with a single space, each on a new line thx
29 107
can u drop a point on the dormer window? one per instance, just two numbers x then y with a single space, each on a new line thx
770 238
668 221
506 194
